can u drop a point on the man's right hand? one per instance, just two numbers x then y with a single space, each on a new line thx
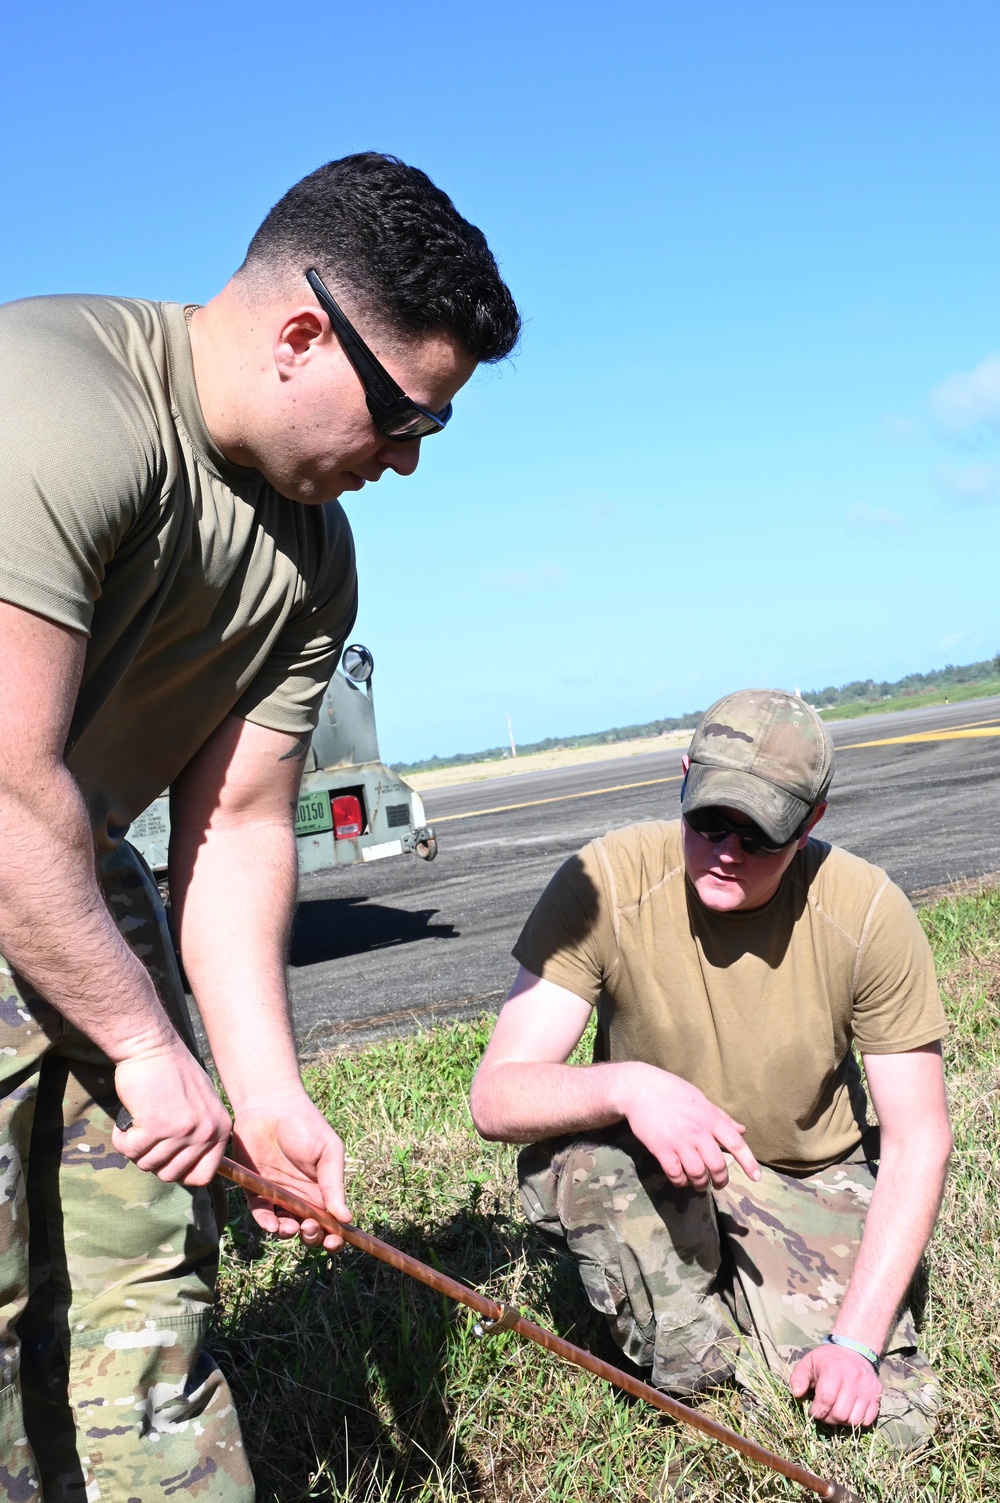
685 1131
179 1126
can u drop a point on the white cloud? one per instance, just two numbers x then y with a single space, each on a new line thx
968 484
875 518
519 581
969 400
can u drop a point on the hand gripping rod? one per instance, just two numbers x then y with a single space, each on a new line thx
497 1317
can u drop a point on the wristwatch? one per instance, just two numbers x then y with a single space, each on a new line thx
853 1346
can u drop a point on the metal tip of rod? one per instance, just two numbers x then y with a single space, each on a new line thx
841 1494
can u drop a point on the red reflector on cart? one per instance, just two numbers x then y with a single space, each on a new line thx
347 822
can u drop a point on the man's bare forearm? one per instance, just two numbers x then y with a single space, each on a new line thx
55 928
233 880
234 899
899 1224
519 1102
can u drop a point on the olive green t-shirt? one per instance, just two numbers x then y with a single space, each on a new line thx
203 592
758 1010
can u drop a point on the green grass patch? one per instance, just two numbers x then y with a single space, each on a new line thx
356 1383
951 694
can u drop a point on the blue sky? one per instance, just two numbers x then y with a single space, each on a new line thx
753 431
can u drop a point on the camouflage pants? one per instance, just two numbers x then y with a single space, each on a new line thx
106 1273
696 1284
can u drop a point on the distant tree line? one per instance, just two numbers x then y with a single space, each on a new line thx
525 748
866 691
860 691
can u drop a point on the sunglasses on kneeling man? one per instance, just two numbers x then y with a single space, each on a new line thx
714 826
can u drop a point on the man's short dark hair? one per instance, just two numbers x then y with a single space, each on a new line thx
381 230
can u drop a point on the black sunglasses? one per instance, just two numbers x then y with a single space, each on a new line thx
393 413
713 826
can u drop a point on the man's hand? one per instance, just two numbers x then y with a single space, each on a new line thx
685 1131
285 1138
179 1126
845 1387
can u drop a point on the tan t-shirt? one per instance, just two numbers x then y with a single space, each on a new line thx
201 589
759 1010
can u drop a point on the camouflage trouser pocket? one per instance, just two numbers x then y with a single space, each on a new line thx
649 1255
155 1415
538 1169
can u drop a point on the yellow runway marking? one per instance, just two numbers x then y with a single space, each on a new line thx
558 798
962 734
963 725
971 729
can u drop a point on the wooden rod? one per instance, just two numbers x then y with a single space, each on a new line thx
834 1492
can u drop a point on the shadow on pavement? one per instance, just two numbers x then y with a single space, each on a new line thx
332 928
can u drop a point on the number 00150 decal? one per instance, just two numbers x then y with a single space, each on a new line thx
314 814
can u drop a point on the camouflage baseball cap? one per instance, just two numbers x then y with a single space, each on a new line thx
763 752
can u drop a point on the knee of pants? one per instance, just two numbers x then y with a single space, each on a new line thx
615 1191
638 1239
648 1254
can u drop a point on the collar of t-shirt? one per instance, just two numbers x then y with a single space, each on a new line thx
184 396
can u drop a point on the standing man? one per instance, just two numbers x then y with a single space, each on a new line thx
176 582
714 1171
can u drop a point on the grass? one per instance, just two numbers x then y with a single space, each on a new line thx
950 694
355 1383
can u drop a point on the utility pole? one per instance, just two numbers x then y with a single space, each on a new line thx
510 729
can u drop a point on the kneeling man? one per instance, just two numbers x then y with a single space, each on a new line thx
714 1171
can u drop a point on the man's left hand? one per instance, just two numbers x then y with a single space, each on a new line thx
287 1139
845 1387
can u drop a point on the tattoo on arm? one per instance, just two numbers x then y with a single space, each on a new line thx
298 751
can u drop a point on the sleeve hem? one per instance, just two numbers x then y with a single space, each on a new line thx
273 718
31 594
549 971
916 1041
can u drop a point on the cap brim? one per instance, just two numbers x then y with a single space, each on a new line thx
778 813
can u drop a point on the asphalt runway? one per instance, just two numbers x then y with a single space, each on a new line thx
399 943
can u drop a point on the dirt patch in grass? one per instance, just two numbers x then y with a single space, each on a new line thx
964 887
